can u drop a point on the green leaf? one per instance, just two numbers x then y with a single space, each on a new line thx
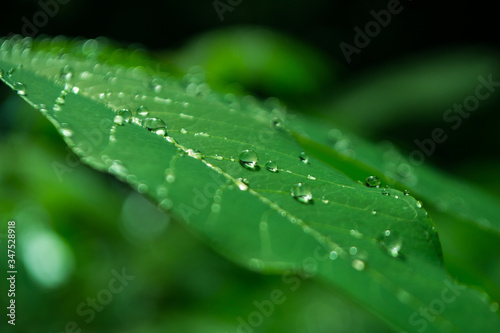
203 157
355 157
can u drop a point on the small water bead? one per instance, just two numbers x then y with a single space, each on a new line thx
356 234
249 159
385 192
304 157
372 181
194 153
142 188
311 177
272 166
65 130
155 125
244 181
169 176
334 135
333 255
302 193
277 124
406 192
142 111
324 200
118 120
118 169
90 47
391 242
374 212
11 71
166 204
1 73
241 185
155 84
358 264
123 116
419 204
66 73
20 88
353 250
43 108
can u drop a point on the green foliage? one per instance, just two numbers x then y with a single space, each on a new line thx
259 185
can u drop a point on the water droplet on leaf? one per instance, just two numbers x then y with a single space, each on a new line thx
372 181
142 111
277 124
20 88
155 125
304 157
272 166
358 264
249 159
65 130
391 242
302 192
66 73
169 176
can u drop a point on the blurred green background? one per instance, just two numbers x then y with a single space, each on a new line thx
76 226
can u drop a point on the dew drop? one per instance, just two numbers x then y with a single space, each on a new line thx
372 181
142 188
118 169
244 181
248 159
277 124
65 130
358 264
1 73
324 200
374 212
11 71
142 111
155 125
125 115
355 233
385 192
194 153
302 192
169 176
66 73
304 157
118 120
20 88
391 242
241 185
333 255
406 192
353 250
272 166
166 204
311 177
419 204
